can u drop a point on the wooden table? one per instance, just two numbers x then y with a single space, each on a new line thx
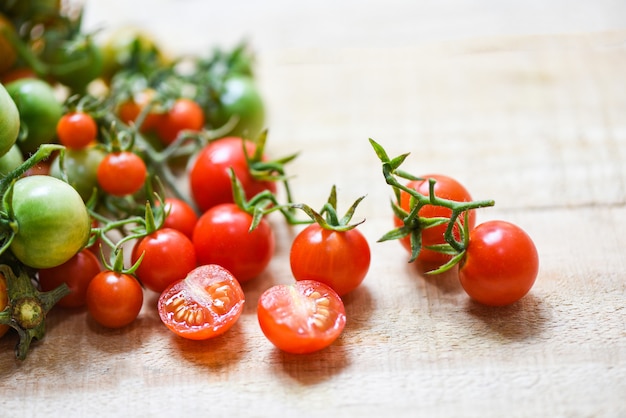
537 123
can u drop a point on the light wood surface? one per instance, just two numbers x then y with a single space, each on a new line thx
535 121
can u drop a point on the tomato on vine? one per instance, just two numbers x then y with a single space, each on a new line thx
76 130
121 173
185 114
9 121
179 215
114 299
4 301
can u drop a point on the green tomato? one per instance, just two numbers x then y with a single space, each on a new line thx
240 97
75 66
9 121
52 221
39 110
10 161
81 166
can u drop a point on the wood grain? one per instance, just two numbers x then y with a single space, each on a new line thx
537 123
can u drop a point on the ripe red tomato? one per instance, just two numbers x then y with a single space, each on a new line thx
180 216
339 259
4 301
168 255
221 237
114 299
129 110
121 173
500 265
77 273
209 179
445 188
76 130
203 305
185 114
302 317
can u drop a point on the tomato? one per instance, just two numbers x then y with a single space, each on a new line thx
129 110
114 299
500 264
81 167
76 130
17 73
9 121
185 114
52 221
4 301
203 305
75 64
302 317
445 188
39 111
121 173
77 273
168 255
222 237
339 259
209 179
7 52
10 161
240 97
180 216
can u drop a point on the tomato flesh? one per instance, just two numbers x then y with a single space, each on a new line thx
203 305
302 317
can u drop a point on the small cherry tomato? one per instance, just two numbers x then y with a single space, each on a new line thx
77 273
76 130
241 98
9 121
114 299
180 216
339 259
222 237
500 265
168 255
203 305
185 114
4 301
129 110
81 169
122 173
302 317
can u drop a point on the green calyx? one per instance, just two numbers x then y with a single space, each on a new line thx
327 217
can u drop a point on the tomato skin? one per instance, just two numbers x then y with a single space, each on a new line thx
77 273
302 317
52 220
500 265
209 178
4 301
339 259
81 167
180 216
205 304
9 121
114 299
185 114
168 256
445 188
76 130
121 173
221 237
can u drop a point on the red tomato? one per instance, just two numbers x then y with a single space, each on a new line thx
500 265
168 255
121 173
339 259
302 317
181 216
221 237
76 130
185 114
209 178
445 188
114 299
77 273
4 301
203 305
129 110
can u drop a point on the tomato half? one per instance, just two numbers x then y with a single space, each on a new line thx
302 317
4 301
209 179
222 236
114 299
339 259
500 265
9 121
121 173
445 188
205 304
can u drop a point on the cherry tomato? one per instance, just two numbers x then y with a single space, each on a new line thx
121 173
77 273
129 110
180 216
86 61
4 301
185 114
203 305
302 317
339 259
221 237
114 299
168 255
500 265
9 121
81 169
240 97
445 188
209 178
10 161
7 51
76 130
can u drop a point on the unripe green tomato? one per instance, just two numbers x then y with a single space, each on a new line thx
9 121
240 97
81 166
10 161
